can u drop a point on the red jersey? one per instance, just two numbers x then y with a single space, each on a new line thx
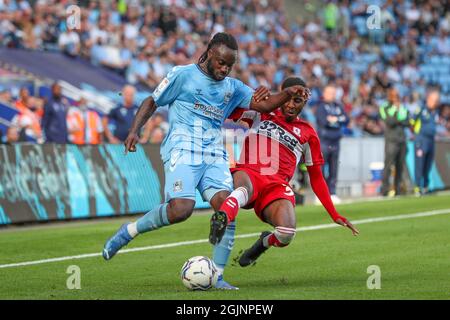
275 147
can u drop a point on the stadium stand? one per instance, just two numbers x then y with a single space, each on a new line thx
138 42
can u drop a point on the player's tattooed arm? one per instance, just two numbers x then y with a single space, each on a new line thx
146 110
276 100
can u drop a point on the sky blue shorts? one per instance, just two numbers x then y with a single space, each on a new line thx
182 179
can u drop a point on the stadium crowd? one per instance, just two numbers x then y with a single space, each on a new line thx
408 47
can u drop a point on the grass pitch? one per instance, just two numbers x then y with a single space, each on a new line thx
413 255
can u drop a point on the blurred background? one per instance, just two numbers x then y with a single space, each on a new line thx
72 75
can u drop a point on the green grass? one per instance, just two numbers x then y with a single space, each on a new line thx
413 254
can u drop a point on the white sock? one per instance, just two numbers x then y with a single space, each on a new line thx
219 270
241 195
266 241
132 229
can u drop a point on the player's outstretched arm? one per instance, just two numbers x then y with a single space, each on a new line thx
146 110
320 188
274 101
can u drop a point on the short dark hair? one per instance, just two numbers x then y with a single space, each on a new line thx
218 39
293 81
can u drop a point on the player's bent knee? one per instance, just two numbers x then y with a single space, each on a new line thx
181 211
284 235
181 214
221 197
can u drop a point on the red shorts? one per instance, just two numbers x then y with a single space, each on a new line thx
266 189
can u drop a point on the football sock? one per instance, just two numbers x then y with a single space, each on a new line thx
223 249
152 220
271 241
281 237
237 199
132 229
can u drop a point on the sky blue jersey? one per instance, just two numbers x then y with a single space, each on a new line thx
198 105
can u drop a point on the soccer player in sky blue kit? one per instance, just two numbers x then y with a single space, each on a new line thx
200 97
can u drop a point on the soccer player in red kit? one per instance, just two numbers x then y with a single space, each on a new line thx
276 143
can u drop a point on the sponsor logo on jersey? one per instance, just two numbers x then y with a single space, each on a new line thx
209 111
163 85
273 130
276 132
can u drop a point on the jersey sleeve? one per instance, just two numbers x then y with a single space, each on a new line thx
169 88
313 154
242 96
244 115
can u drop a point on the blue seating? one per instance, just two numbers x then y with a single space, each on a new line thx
7 112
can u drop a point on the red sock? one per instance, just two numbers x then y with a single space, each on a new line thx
273 241
231 207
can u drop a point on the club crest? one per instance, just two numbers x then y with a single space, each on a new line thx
178 186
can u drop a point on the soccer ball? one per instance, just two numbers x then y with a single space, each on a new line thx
199 273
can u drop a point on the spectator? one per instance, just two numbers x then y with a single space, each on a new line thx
139 69
28 118
98 52
331 117
84 125
14 134
167 21
411 48
122 116
54 121
396 117
155 130
6 97
425 121
443 43
370 122
331 15
25 102
69 42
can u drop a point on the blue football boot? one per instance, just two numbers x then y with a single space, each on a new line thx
223 285
116 242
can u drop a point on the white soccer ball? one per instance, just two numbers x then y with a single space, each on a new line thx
199 273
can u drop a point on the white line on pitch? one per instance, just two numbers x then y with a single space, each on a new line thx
248 235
